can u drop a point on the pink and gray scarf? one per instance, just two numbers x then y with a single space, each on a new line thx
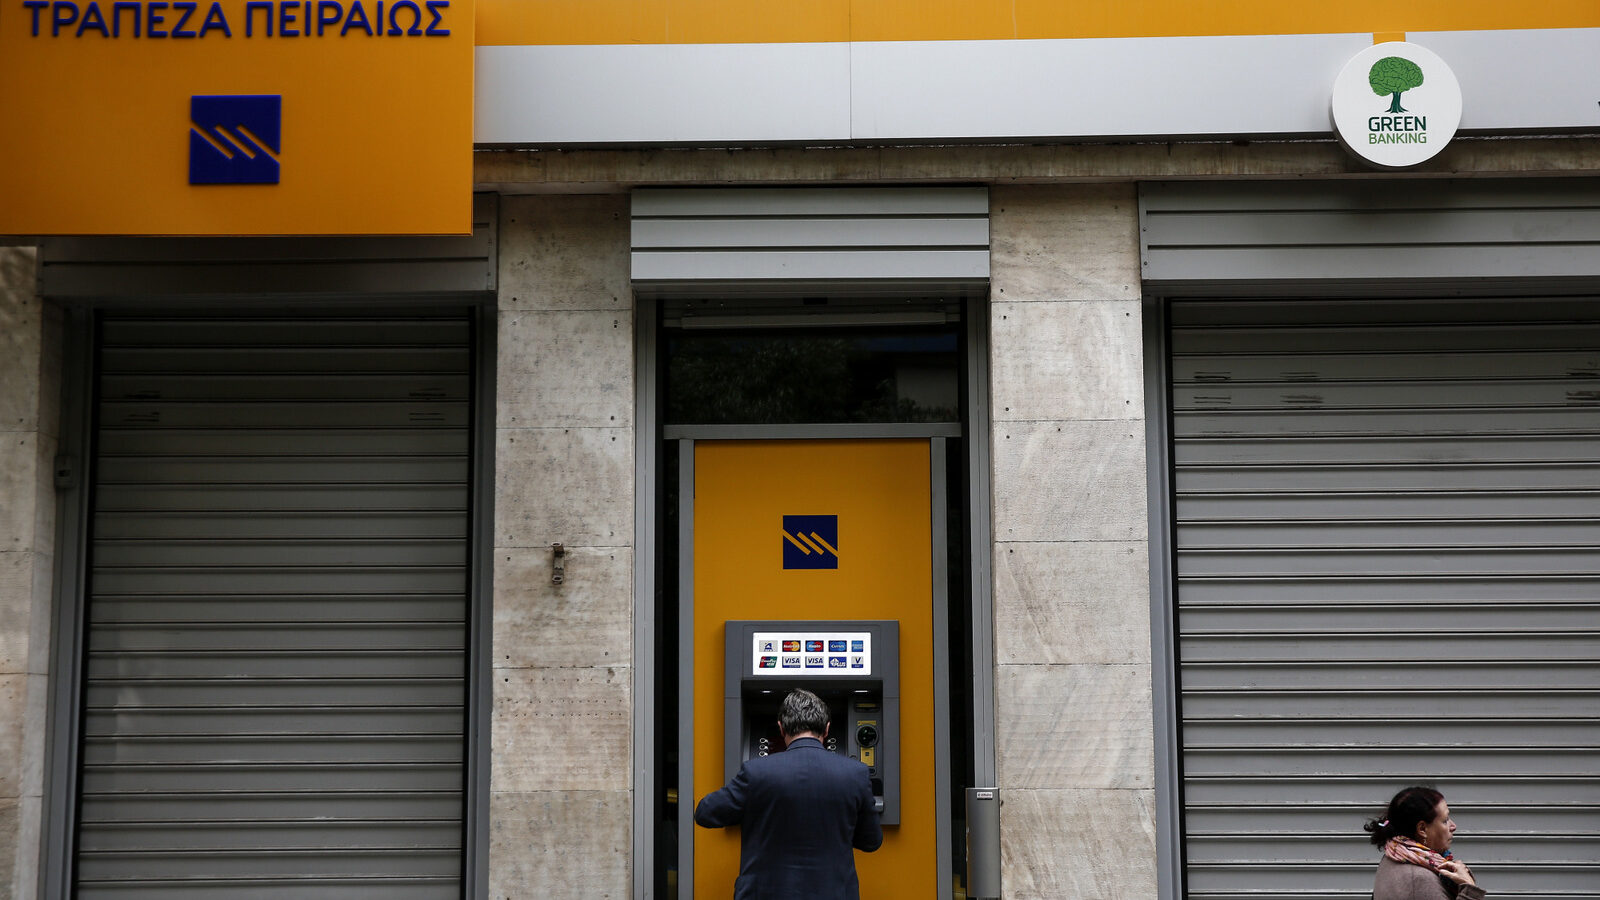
1406 850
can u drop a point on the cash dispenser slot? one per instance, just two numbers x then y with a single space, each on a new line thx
852 665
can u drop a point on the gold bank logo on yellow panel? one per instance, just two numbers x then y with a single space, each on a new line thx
811 542
237 116
235 140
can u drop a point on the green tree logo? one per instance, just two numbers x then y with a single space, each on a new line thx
1394 75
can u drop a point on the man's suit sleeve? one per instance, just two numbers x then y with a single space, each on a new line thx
869 832
725 806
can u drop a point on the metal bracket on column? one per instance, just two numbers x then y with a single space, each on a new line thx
66 472
558 563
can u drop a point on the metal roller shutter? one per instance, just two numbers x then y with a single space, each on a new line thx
1388 572
810 242
275 650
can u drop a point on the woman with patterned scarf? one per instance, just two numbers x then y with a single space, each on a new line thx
1415 834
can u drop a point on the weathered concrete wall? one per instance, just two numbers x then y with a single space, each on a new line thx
560 783
1072 631
515 171
30 347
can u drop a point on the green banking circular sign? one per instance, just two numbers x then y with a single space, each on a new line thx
1396 105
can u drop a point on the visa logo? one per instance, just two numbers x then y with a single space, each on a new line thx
791 662
813 662
858 662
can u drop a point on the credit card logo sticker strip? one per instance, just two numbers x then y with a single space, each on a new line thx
824 653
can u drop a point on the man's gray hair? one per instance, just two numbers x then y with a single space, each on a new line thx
803 711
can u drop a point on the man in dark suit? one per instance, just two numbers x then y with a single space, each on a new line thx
800 811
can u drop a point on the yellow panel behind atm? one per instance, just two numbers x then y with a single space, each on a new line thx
879 490
102 134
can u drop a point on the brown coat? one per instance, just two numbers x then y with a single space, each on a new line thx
1404 881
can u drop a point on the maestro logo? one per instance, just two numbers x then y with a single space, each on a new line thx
1396 105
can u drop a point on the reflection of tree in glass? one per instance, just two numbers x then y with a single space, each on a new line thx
786 380
761 382
1394 75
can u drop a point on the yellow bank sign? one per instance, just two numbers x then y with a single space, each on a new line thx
247 117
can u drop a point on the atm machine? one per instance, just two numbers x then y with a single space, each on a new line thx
854 666
812 563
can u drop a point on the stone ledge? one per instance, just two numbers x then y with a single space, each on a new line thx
1074 727
26 506
1065 242
560 845
562 728
22 342
598 171
1069 481
567 252
1066 360
565 368
12 830
1108 836
572 485
16 766
1077 602
18 573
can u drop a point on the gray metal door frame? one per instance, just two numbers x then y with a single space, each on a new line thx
69 600
648 435
1163 604
904 244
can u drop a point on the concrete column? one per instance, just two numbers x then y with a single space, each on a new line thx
561 788
1072 632
30 351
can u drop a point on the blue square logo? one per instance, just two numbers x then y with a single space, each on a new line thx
811 542
235 139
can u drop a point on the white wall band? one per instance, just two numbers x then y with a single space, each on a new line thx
1175 87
